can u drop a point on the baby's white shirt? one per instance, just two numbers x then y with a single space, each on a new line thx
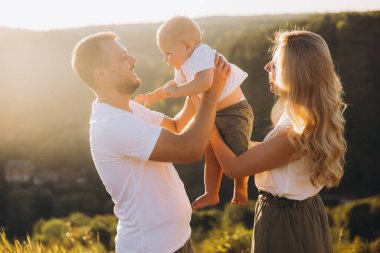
201 59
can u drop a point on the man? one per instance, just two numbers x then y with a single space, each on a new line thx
132 147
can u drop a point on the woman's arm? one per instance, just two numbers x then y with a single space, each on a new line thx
267 155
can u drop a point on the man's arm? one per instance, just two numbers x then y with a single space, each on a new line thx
253 143
178 123
201 83
190 144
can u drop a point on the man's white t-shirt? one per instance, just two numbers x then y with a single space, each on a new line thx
201 59
291 180
150 200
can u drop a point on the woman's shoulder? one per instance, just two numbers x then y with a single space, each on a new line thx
283 125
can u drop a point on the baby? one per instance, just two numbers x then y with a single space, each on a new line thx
180 42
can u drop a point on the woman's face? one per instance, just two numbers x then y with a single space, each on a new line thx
271 69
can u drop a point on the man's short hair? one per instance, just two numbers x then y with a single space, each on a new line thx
89 54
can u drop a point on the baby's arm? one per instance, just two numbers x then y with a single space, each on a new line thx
201 83
151 97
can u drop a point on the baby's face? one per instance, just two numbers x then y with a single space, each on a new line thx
175 54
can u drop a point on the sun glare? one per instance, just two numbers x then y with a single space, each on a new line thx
45 14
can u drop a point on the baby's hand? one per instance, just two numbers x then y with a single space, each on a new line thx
170 88
148 99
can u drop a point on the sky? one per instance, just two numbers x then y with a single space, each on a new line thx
53 14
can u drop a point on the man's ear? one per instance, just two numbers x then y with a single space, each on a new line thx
100 73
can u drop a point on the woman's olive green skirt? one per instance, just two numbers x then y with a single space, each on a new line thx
282 225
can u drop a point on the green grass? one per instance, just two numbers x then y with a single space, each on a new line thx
354 226
30 246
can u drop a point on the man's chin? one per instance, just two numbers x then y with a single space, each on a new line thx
130 87
136 84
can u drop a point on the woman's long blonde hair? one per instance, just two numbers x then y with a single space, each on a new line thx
311 93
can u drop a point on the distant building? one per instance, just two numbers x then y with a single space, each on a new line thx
69 176
43 177
24 171
18 171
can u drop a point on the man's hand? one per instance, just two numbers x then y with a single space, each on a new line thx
170 88
222 71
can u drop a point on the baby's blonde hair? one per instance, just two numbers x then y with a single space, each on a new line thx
312 96
179 29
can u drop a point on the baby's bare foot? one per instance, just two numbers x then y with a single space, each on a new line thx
207 199
240 196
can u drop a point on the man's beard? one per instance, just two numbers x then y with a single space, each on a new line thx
128 86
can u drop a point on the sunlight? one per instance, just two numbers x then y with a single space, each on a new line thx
45 14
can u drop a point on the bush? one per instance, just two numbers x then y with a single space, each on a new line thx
51 231
203 221
79 219
235 239
364 221
235 214
104 228
360 218
358 246
77 230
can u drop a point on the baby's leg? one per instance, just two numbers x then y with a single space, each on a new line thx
238 143
212 180
235 125
240 191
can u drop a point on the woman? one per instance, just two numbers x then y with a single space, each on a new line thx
303 153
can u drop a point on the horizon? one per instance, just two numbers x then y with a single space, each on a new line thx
54 16
156 22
